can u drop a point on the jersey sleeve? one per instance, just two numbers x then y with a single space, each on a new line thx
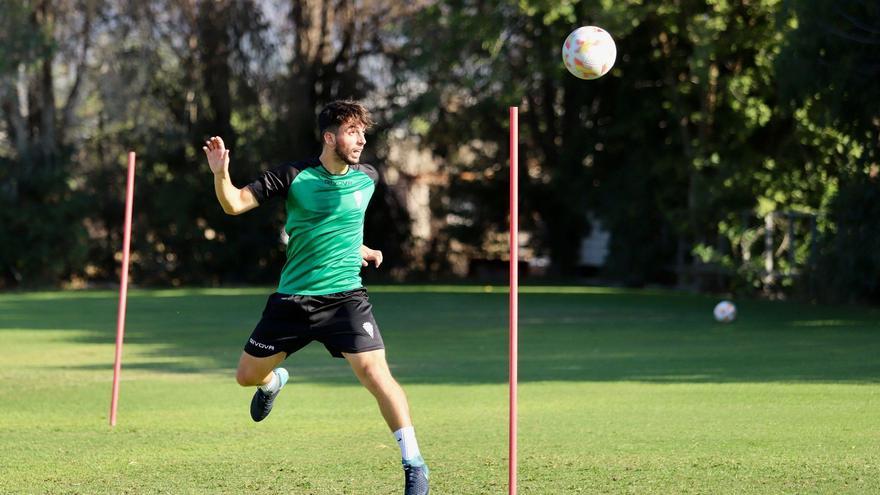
370 171
273 182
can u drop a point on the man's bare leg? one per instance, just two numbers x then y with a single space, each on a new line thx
371 368
372 371
262 372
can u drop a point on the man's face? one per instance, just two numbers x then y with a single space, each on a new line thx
348 141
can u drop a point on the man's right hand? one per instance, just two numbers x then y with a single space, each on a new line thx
218 155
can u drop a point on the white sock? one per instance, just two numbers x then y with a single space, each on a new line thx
273 385
406 439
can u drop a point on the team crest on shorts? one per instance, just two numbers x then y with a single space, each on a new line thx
368 327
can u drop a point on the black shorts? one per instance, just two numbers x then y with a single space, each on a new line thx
343 322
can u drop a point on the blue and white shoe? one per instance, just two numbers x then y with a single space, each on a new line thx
261 404
415 476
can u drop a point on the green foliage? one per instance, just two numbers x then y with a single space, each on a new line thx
849 267
42 239
159 78
19 42
41 200
830 64
478 58
684 147
717 114
828 72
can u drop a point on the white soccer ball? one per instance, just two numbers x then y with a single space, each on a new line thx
725 312
589 52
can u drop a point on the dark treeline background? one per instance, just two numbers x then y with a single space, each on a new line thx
734 145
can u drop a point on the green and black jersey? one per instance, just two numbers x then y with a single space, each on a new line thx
325 223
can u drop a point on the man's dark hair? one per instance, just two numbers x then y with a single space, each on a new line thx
338 112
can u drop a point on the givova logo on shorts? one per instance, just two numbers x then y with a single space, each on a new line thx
262 345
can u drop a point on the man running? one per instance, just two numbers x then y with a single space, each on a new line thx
320 296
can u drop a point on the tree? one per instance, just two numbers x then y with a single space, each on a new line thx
828 71
39 228
660 148
82 82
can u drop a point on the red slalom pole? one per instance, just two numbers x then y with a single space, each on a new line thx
123 287
514 287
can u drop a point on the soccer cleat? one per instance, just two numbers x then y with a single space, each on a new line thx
415 479
261 404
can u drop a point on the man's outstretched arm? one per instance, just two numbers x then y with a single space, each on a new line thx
233 200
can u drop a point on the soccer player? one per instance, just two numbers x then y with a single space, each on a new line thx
320 296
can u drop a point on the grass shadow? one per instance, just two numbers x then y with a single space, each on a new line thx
458 334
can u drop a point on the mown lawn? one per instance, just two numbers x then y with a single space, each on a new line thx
621 392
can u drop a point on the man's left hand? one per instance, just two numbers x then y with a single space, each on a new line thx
369 255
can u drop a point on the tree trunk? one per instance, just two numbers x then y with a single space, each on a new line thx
214 51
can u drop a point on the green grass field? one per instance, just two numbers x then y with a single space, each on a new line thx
620 392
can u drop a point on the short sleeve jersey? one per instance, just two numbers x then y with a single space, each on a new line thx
325 223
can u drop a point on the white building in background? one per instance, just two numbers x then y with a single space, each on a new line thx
594 247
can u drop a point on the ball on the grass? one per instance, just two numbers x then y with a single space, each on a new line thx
589 52
725 312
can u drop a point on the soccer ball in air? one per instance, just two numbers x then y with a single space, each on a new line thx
589 52
725 312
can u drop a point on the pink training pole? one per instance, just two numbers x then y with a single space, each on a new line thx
514 286
123 287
